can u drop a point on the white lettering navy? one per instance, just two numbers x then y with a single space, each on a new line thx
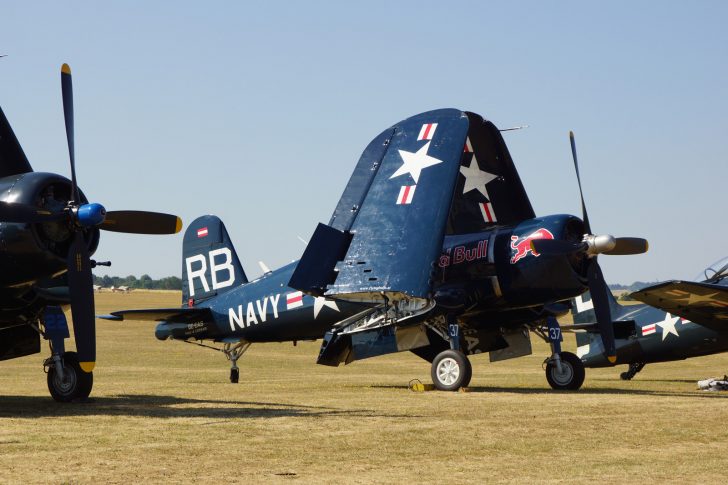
251 317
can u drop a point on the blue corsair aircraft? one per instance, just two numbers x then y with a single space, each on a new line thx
680 319
430 250
48 233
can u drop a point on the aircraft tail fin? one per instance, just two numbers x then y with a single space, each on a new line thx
12 158
210 265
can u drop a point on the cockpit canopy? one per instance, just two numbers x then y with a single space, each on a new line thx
715 272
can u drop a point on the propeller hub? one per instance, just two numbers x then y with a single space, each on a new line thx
599 244
89 215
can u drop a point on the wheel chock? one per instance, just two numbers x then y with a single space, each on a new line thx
415 385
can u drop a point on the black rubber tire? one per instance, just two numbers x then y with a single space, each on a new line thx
573 375
234 375
451 370
76 384
625 376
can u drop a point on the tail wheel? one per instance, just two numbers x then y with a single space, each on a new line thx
571 376
75 384
451 370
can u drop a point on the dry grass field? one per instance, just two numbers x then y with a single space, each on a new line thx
166 412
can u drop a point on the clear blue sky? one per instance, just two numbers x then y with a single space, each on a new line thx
257 112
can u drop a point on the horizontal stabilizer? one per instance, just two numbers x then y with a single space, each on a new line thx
702 303
175 315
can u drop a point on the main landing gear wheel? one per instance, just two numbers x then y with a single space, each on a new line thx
571 376
234 375
75 384
451 370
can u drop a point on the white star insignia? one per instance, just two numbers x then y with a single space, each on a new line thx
475 178
413 163
668 326
694 298
320 302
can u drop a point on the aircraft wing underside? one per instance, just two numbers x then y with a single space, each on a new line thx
173 315
702 303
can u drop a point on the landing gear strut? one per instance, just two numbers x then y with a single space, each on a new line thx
634 368
564 370
451 368
66 380
233 352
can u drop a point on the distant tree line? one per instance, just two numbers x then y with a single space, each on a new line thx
173 283
145 282
636 286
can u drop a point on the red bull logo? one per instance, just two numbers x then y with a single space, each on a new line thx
522 245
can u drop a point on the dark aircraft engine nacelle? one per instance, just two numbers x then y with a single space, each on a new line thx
527 277
23 252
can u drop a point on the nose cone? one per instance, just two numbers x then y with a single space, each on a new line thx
91 215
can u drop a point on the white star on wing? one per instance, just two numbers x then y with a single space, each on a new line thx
320 302
668 325
695 298
476 179
413 163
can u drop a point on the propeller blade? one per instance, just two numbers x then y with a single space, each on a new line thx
629 245
23 213
585 216
80 283
67 93
141 222
598 289
556 247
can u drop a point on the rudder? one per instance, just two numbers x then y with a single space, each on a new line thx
210 265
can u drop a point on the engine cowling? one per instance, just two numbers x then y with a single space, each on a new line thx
32 252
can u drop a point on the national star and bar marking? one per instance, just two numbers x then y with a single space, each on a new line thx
320 302
668 326
486 208
477 179
695 298
294 300
427 131
414 163
406 194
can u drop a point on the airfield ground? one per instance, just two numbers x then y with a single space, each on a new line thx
166 412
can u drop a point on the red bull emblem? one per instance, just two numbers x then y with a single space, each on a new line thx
522 246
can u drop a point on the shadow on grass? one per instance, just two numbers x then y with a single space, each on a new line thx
588 391
155 406
605 391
